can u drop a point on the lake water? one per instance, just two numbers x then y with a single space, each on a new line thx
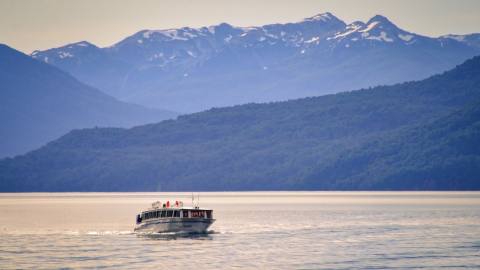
254 230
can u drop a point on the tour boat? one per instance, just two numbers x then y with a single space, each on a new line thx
174 218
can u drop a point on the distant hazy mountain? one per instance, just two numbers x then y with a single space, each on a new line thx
472 40
39 103
191 69
416 135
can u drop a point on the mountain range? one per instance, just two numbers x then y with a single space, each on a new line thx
39 103
420 135
193 69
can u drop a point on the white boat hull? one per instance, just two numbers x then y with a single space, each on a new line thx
176 225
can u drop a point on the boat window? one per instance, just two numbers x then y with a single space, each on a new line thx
163 214
197 213
176 213
169 213
209 214
185 214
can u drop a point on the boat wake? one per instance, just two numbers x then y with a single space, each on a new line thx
109 232
176 235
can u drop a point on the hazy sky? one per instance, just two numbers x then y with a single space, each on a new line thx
28 25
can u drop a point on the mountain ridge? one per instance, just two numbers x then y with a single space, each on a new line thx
193 69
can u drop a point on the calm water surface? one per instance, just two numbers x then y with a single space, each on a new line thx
254 230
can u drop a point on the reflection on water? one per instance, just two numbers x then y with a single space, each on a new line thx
176 235
269 230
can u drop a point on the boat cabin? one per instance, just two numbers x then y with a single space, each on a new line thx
166 212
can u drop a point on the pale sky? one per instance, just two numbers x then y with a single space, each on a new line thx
29 25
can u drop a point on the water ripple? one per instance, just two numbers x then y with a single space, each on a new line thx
98 234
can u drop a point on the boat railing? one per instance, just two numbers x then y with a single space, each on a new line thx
167 204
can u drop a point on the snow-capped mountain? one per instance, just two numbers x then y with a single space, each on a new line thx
377 29
191 69
174 46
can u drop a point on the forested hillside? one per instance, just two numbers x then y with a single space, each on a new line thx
416 135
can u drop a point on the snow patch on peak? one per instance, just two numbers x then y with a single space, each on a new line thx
313 39
324 17
211 29
173 34
356 24
83 44
352 28
156 56
249 28
63 54
370 26
382 37
405 37
147 34
459 38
